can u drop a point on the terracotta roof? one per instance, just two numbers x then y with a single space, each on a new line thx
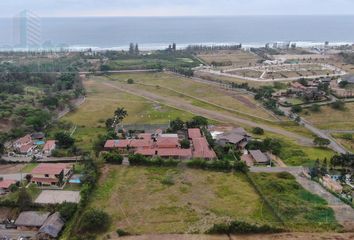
174 152
140 143
194 133
49 168
31 219
26 148
247 158
24 139
201 149
258 156
5 184
240 131
167 142
297 85
45 180
49 145
124 143
146 152
145 136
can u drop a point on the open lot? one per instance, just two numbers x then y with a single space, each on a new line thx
331 119
160 200
235 57
58 196
299 209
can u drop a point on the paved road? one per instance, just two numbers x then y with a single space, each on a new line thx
221 117
344 213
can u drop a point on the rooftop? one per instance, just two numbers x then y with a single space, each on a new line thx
32 219
194 133
258 156
202 149
4 184
53 225
50 168
167 142
49 145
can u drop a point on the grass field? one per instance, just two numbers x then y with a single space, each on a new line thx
161 200
333 119
174 86
298 208
347 143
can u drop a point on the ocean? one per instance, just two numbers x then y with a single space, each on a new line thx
158 32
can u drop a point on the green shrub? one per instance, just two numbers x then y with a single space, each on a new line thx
94 220
122 233
285 175
113 157
258 131
67 210
241 227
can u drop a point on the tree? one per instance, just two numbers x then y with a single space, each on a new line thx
296 109
177 125
64 140
113 157
343 84
338 105
120 114
67 210
24 200
94 220
315 108
2 148
258 131
131 48
136 50
322 142
185 144
130 81
174 47
197 122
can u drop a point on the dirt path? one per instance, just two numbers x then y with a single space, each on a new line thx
280 236
221 117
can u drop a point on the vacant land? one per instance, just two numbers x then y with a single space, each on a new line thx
299 209
160 200
173 86
234 57
331 119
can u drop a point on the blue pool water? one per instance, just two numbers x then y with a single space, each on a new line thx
39 143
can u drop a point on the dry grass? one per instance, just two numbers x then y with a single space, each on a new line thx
102 101
173 86
236 57
140 200
330 118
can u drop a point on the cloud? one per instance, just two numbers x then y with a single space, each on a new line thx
176 7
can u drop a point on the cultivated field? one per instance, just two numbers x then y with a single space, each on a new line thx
331 119
159 200
235 57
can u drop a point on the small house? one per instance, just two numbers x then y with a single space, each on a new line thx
5 186
49 147
51 174
31 220
259 157
331 184
51 227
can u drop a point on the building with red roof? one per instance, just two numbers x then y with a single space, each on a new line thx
5 185
147 152
201 149
120 144
167 142
51 173
175 153
194 133
49 147
141 143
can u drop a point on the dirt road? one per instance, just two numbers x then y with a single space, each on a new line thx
280 236
221 117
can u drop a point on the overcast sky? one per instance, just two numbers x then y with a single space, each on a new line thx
64 8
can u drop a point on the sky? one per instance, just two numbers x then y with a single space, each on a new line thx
72 8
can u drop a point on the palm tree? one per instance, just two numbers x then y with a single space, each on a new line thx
120 114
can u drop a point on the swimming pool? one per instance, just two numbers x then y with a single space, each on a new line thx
39 142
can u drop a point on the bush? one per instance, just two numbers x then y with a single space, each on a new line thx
258 131
130 81
315 108
241 227
296 109
185 144
122 233
321 141
94 220
285 175
113 157
338 105
67 210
